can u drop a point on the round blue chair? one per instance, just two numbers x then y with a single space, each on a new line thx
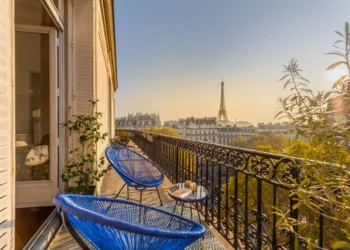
136 170
108 223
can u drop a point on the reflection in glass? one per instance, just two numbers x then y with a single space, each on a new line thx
32 107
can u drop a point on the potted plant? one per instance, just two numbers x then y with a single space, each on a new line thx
83 169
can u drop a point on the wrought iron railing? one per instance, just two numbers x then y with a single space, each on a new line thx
245 187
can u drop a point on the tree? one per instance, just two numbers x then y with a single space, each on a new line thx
278 141
163 131
270 142
239 142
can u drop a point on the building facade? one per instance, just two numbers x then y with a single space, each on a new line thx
200 129
281 128
206 129
230 133
138 121
55 56
241 124
171 124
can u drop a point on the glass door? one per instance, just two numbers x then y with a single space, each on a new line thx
36 115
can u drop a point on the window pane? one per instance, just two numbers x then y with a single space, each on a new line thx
32 107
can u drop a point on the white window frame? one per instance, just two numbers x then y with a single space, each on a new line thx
52 182
54 13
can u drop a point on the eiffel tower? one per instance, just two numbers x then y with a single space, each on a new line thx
222 118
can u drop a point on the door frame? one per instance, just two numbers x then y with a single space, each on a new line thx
52 183
54 12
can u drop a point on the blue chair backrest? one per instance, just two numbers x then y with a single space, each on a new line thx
135 169
127 225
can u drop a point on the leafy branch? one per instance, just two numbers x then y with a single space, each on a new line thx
322 121
83 169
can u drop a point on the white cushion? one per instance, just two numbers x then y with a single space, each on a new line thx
37 155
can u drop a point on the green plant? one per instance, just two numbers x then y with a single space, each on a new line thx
83 169
122 134
322 120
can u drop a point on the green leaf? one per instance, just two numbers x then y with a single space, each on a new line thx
295 206
296 243
335 65
340 34
339 41
341 245
335 53
340 80
283 77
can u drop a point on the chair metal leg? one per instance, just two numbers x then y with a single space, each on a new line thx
116 196
120 191
141 196
161 202
74 234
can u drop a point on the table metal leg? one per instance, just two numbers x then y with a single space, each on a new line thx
199 216
175 207
191 211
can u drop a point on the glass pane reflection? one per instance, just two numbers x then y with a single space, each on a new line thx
32 107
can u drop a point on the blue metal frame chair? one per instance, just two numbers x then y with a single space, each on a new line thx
108 223
136 170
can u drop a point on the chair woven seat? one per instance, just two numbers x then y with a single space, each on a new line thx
135 169
120 224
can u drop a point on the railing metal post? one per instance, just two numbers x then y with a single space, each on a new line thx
154 147
235 220
293 212
274 218
219 199
258 215
177 164
320 236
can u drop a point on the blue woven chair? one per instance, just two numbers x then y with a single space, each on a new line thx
136 171
125 224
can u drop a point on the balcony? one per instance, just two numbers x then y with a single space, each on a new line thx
244 187
112 183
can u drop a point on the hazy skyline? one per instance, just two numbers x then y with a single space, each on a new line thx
172 55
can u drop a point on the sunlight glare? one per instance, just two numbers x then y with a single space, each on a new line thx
335 74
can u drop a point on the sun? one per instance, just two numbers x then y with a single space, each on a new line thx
334 74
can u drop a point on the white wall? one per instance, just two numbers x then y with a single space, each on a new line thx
103 87
7 133
91 72
102 94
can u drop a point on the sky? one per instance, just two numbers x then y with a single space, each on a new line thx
172 55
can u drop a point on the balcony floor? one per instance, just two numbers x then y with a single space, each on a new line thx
110 186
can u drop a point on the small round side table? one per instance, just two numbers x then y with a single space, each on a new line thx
199 195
